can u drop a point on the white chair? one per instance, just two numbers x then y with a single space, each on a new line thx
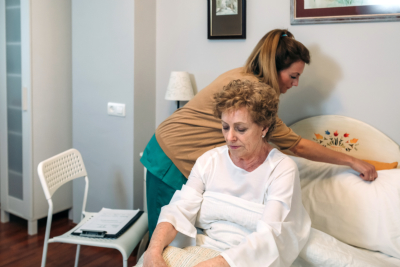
62 168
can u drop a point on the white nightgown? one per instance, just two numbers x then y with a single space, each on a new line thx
254 218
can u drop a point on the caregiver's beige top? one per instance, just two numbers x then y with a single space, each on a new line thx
192 130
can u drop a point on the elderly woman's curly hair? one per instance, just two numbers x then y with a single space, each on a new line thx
258 98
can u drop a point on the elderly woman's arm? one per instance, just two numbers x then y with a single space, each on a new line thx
313 151
179 215
218 261
162 237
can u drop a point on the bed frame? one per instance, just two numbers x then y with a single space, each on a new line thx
349 136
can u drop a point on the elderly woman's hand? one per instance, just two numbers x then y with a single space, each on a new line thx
218 261
153 259
164 233
366 170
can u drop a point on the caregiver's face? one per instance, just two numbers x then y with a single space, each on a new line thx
241 134
290 77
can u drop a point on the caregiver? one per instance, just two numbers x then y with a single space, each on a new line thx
278 60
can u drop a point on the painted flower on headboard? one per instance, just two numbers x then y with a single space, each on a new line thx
336 141
318 136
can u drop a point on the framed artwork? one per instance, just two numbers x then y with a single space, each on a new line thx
226 19
343 11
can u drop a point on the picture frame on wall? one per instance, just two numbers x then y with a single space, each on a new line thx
343 11
226 19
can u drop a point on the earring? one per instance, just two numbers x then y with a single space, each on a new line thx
262 136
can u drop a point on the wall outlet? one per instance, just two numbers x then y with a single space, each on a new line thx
116 109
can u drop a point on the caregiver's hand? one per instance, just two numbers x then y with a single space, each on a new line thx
153 259
313 151
366 170
218 261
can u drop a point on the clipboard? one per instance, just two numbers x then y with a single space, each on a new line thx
86 229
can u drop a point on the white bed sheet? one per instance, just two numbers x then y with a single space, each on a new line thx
325 250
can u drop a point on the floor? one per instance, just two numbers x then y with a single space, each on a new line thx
17 248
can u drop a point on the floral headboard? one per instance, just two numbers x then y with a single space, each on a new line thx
347 135
336 141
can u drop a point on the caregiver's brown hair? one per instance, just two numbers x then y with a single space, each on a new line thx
276 51
260 100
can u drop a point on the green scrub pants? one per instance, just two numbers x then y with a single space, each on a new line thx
162 180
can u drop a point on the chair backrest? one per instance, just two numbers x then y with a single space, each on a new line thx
60 169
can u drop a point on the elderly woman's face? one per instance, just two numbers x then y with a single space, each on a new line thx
241 134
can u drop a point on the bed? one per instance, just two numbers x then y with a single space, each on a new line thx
343 208
354 222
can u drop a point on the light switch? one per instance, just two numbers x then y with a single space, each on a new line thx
116 109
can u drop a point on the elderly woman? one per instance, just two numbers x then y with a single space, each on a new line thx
245 196
278 61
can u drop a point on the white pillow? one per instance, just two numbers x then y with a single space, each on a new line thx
359 213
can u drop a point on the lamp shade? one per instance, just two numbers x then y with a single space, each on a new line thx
179 87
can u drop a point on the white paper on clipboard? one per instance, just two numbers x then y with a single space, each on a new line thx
108 220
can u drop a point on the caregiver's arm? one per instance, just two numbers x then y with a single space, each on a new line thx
162 237
313 151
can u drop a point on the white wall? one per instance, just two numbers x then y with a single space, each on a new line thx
354 70
113 45
50 84
144 87
102 64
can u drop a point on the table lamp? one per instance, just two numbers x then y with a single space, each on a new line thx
179 87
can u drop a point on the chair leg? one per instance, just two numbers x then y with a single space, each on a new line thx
46 244
78 248
47 233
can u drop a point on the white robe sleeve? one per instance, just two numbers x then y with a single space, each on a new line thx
284 227
182 210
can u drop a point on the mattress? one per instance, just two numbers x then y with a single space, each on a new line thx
325 250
